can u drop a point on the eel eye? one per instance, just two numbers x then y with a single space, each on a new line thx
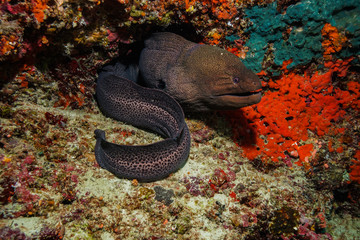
236 80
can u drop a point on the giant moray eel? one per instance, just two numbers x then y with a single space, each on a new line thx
200 77
122 99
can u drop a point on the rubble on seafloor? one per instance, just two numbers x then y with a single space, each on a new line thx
286 168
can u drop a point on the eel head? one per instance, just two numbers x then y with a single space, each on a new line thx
218 80
200 77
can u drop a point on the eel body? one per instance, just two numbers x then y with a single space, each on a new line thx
122 99
171 70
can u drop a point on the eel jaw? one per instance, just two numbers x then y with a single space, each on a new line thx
239 100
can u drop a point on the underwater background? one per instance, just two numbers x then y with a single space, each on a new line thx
286 168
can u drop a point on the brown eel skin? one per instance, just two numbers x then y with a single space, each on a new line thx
172 69
200 77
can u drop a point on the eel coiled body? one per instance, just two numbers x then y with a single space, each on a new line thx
122 99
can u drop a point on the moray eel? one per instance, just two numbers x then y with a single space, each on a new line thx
200 77
119 97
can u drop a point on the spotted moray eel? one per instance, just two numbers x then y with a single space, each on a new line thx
200 77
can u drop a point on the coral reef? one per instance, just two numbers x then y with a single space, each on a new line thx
287 168
296 34
293 105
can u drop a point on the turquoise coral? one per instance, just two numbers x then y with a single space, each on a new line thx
303 22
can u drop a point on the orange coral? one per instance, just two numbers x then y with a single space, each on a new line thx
215 38
355 168
333 41
222 9
66 100
293 105
7 44
38 7
304 152
24 73
188 3
241 53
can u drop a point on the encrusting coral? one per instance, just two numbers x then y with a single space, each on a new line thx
292 105
333 41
